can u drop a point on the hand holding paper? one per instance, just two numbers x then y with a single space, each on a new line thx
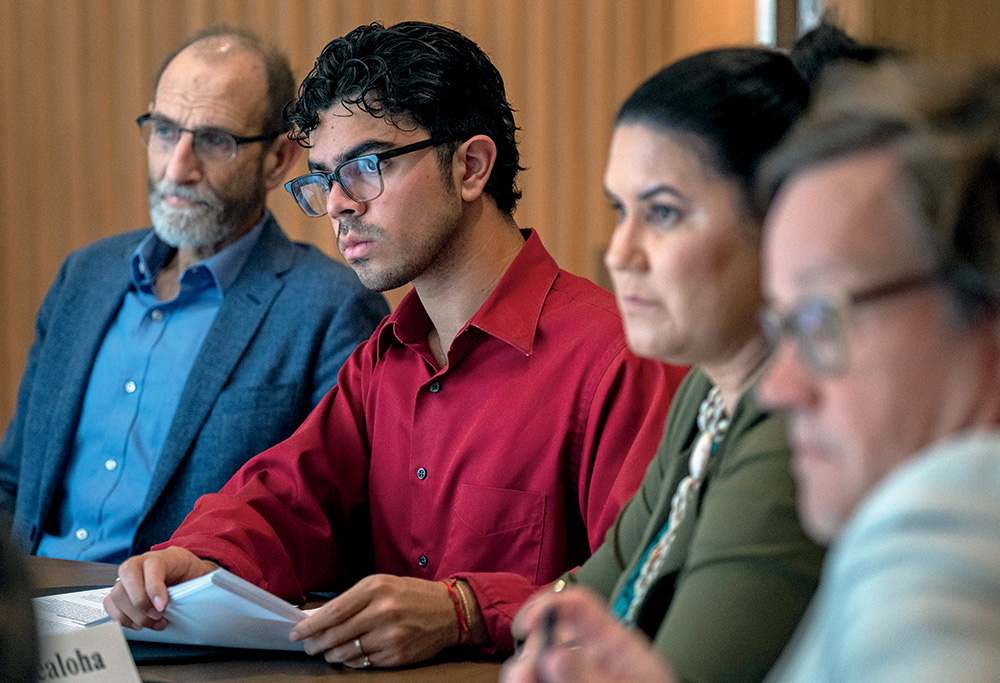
140 596
218 609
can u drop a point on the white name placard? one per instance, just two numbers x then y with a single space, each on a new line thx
97 654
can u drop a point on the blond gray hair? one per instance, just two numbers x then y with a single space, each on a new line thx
943 127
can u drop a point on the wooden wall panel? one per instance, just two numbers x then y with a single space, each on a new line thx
74 74
953 30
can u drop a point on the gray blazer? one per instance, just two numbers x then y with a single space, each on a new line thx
286 325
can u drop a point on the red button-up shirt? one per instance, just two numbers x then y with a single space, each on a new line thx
504 468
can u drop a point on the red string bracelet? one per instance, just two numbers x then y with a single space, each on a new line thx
465 605
463 626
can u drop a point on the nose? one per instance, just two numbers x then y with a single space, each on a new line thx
338 204
184 167
625 250
787 382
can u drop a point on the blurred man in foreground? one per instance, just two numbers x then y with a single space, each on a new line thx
882 265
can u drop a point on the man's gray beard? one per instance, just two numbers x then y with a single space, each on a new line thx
208 222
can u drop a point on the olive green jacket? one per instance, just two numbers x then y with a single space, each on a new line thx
740 572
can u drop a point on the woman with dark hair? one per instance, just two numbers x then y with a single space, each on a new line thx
708 559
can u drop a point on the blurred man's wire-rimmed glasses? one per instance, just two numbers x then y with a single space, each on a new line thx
819 324
161 135
360 178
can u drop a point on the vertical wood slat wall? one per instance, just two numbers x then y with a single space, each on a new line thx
74 74
953 30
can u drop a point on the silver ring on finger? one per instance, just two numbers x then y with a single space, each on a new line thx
357 644
367 663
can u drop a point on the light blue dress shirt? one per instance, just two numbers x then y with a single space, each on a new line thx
132 395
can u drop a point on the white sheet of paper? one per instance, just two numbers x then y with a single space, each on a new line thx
97 655
222 610
217 610
69 611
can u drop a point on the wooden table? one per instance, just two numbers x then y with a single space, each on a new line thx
47 573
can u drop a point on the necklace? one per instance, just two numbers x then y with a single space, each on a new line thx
712 426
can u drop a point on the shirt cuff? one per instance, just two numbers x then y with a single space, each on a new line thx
499 595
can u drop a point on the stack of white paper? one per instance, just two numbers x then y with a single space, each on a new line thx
216 610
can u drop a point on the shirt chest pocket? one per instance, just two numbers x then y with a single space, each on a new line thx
501 528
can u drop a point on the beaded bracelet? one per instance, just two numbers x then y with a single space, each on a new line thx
463 625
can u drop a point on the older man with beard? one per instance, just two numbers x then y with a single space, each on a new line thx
166 358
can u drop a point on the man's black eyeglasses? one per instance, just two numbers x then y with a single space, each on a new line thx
211 144
360 178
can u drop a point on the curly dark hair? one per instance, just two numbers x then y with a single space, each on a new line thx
416 75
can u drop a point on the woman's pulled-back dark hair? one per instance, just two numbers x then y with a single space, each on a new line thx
737 102
416 74
828 45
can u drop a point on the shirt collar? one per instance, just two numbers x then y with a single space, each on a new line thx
152 253
510 314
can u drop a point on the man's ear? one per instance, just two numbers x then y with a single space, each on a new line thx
474 161
279 158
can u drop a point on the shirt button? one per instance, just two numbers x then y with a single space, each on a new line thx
81 534
435 387
422 560
130 387
156 315
109 465
421 473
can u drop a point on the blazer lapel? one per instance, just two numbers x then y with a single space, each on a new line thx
77 330
682 430
243 310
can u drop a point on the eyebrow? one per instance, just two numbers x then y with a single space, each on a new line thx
359 150
160 117
659 189
650 193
